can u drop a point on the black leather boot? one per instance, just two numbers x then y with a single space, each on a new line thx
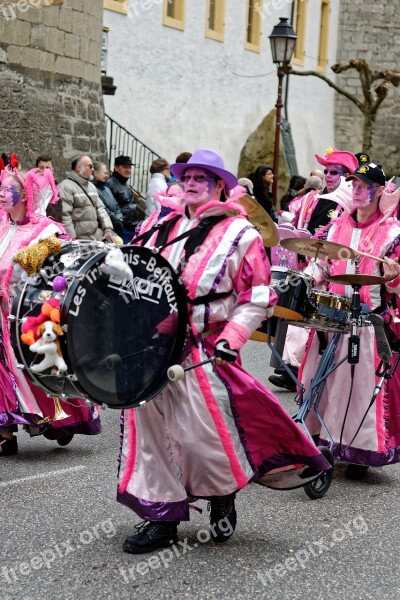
8 447
284 380
151 535
223 518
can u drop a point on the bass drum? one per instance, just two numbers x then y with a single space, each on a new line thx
120 335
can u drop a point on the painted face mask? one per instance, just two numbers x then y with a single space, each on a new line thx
364 194
332 176
199 186
10 193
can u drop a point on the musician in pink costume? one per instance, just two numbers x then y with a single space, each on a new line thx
318 206
369 230
23 202
311 212
209 435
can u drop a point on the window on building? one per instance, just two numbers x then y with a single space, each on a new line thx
215 19
174 13
300 27
324 35
253 35
120 6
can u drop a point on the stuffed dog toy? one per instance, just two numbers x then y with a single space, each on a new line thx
49 345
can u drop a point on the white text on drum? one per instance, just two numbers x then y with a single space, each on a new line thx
160 278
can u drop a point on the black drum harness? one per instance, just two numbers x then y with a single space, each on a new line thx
195 236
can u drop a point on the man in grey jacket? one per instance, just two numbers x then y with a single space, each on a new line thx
83 213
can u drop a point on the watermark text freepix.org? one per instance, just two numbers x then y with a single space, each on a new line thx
164 557
9 10
48 556
300 558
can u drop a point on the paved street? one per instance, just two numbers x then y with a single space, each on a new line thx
61 532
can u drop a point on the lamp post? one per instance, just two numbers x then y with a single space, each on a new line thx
283 41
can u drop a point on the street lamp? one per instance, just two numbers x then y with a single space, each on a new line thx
283 41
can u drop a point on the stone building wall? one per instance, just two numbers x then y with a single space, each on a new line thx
369 30
50 91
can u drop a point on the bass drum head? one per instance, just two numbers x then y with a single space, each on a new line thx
123 335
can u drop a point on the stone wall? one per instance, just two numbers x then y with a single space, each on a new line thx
369 30
50 90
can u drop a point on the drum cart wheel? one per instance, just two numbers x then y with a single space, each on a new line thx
318 488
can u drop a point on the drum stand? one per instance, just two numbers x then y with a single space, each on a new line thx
312 399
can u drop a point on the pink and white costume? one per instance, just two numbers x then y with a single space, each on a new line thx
217 430
21 403
378 441
303 206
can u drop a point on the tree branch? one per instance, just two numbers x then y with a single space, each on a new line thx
331 84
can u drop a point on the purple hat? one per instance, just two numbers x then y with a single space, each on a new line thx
206 159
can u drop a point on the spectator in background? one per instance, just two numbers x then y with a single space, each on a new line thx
262 179
123 193
160 175
317 173
83 213
174 188
183 157
105 194
296 184
313 182
43 162
247 184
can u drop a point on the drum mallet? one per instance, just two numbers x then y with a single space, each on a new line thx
177 372
222 350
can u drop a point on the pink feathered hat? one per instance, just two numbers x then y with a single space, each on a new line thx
338 157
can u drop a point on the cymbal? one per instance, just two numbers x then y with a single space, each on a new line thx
322 248
261 220
356 279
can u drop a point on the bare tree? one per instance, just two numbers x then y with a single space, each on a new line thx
373 98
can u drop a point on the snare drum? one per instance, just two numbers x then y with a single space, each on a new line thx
329 312
120 336
292 288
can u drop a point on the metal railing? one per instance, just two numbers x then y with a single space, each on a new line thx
121 141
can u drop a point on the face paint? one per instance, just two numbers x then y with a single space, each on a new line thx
332 177
363 194
10 194
200 186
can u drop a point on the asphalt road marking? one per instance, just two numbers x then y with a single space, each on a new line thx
42 475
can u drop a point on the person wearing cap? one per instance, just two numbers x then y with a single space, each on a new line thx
363 435
159 170
312 211
316 208
207 436
118 183
83 213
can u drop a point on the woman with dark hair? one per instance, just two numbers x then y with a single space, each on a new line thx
262 179
297 183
